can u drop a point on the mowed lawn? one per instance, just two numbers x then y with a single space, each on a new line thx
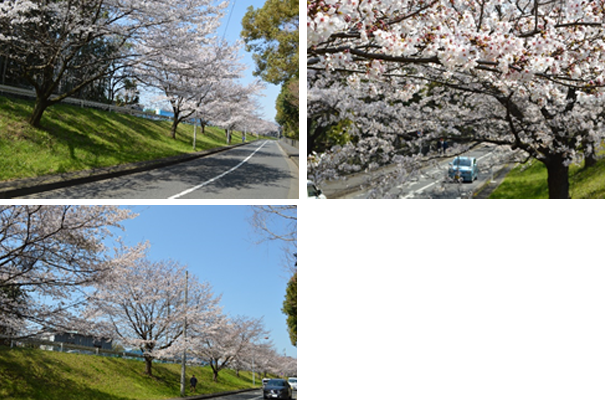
529 181
33 374
74 138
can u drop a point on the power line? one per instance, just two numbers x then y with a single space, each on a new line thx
229 19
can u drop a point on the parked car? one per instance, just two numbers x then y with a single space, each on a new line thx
464 168
313 192
277 389
292 382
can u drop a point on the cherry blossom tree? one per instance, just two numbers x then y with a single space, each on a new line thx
235 108
49 255
193 66
534 67
85 40
227 342
143 304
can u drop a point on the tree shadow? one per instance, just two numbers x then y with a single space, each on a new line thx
31 379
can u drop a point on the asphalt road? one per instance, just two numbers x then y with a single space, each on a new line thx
429 182
257 170
255 395
432 182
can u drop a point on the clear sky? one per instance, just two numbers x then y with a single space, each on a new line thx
230 29
231 32
217 243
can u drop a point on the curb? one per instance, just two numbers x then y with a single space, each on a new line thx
488 188
22 187
212 395
291 156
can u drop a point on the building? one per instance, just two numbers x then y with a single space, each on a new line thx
79 340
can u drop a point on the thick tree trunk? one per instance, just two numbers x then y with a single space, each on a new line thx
558 178
40 106
175 125
148 361
590 160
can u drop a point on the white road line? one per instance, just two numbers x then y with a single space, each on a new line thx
176 196
415 192
485 155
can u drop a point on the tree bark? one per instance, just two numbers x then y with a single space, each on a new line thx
39 107
148 361
590 160
558 178
175 124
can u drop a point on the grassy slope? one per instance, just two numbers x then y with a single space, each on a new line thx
32 374
529 182
74 138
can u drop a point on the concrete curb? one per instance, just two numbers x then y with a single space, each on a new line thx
488 187
291 156
23 187
212 395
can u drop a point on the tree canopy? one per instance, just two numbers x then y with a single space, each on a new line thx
271 33
528 75
290 308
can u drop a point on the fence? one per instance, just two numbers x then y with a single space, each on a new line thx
74 348
107 107
291 142
85 103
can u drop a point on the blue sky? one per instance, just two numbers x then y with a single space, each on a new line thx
231 32
237 9
217 245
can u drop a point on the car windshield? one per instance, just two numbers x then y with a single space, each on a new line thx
462 162
312 191
276 382
292 380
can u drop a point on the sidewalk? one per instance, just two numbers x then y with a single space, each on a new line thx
290 150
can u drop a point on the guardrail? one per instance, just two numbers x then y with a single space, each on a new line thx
49 345
86 103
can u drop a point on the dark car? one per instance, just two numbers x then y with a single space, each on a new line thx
277 389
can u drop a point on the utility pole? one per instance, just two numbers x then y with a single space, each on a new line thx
184 361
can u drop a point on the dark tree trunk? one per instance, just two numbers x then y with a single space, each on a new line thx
590 160
311 136
175 125
40 106
148 361
558 178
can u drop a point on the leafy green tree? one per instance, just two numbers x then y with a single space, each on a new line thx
271 33
290 308
287 108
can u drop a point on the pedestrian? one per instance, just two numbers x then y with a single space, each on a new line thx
193 382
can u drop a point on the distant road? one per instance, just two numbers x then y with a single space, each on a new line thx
430 182
257 170
254 395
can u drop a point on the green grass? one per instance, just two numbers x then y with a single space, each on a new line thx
529 181
33 374
74 138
